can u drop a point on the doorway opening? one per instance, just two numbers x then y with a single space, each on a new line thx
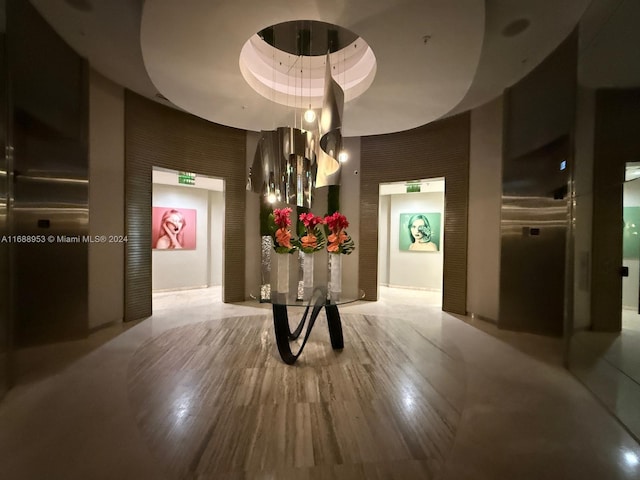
187 237
631 256
411 239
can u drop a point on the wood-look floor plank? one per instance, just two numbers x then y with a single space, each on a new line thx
214 400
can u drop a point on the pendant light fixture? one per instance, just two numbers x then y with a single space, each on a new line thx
290 162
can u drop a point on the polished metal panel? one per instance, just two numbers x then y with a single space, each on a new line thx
50 208
330 131
284 166
534 227
5 154
533 234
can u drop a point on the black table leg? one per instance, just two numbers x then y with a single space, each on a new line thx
281 327
284 334
335 326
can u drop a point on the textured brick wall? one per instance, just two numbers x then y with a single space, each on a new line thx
439 149
159 136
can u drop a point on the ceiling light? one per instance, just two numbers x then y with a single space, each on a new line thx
291 162
309 115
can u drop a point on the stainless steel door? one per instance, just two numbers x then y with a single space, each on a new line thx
5 330
534 227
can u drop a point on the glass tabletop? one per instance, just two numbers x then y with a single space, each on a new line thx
302 299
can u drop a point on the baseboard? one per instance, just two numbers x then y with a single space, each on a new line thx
404 287
477 316
195 287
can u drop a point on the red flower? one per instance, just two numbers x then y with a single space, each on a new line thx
336 222
281 217
309 220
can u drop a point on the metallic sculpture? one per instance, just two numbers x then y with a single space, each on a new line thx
289 163
330 131
284 168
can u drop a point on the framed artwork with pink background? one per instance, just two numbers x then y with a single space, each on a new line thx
173 228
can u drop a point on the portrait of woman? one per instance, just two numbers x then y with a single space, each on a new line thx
174 229
172 233
420 231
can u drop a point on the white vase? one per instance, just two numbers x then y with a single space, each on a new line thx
335 276
282 279
307 275
307 270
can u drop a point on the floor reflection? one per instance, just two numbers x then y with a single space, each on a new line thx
609 365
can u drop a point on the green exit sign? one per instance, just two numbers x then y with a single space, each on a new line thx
187 178
413 187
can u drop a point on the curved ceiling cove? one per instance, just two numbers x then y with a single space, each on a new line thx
195 53
285 63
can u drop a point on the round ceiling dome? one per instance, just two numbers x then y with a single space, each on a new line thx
285 63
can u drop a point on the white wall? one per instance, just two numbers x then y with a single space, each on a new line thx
485 188
631 284
384 220
181 269
415 269
106 200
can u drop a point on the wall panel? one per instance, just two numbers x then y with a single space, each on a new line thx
159 136
5 325
439 149
536 260
485 198
106 201
49 100
617 130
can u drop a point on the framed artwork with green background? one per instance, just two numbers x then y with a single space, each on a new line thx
420 232
631 233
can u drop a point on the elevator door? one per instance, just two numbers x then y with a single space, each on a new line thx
5 332
534 240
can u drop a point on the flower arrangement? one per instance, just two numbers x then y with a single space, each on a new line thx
279 223
314 239
339 240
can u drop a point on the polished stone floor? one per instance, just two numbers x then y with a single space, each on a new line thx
198 391
609 365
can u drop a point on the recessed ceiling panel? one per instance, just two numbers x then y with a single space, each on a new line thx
426 51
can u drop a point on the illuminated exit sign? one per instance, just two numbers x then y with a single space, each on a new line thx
413 187
187 178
